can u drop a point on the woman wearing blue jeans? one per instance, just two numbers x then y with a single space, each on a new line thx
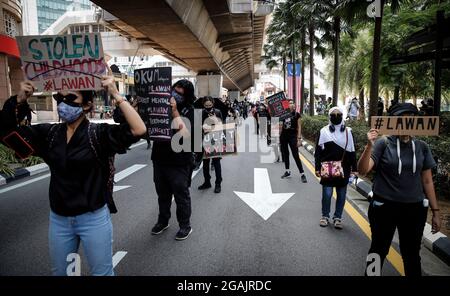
335 143
80 157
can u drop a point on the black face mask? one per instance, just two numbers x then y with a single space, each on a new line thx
336 119
208 109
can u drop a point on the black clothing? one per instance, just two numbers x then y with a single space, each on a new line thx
290 125
78 182
406 187
162 152
292 143
173 180
217 170
409 218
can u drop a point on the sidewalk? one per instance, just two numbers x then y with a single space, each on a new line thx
438 244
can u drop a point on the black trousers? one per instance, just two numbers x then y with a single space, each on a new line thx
285 143
173 180
409 220
217 170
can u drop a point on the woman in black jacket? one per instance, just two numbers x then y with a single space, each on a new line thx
334 144
79 155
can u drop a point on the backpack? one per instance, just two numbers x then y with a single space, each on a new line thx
109 168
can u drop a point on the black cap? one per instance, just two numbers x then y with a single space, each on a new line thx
402 108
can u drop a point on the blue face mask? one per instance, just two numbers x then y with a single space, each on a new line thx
69 113
178 97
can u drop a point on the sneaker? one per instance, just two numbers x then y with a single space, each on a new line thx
323 222
286 175
217 189
337 223
303 177
204 186
159 228
183 233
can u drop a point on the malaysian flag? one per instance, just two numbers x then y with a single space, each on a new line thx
298 82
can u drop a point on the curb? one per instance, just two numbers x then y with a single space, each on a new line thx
438 243
23 172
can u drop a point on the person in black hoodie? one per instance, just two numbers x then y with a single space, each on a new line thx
172 170
211 116
334 144
79 155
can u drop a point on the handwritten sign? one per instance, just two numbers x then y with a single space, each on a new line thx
278 106
406 125
153 86
221 141
63 62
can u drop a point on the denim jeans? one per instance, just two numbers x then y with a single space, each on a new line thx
93 229
327 192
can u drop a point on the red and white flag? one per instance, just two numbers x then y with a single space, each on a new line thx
298 83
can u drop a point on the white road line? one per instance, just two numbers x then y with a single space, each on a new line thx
140 143
128 171
24 183
196 172
118 257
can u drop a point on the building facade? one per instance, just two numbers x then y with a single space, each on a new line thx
10 26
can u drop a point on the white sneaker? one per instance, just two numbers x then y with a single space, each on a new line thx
323 222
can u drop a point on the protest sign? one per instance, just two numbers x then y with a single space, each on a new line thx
278 106
63 62
221 141
153 86
406 125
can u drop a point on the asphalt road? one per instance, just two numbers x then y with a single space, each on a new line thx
228 238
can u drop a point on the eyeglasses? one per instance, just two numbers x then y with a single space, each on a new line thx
67 99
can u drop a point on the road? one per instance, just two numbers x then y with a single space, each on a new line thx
228 238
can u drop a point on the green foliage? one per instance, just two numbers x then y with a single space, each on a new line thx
311 126
8 158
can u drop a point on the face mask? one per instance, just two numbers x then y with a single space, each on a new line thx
208 109
69 113
336 119
178 97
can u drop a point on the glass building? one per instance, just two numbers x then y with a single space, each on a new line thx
48 11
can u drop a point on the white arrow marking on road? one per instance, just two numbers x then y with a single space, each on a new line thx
263 201
118 188
125 173
117 257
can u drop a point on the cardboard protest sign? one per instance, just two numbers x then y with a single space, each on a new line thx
153 86
406 125
221 141
278 106
63 62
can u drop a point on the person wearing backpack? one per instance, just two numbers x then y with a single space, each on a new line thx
403 191
335 162
79 155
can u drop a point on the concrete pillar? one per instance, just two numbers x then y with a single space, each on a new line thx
233 95
15 74
4 80
209 85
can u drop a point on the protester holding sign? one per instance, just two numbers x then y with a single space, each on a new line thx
172 170
210 118
402 191
291 136
79 154
335 160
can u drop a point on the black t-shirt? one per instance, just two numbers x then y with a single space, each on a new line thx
290 125
405 187
162 152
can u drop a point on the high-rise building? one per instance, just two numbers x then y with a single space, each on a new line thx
42 13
